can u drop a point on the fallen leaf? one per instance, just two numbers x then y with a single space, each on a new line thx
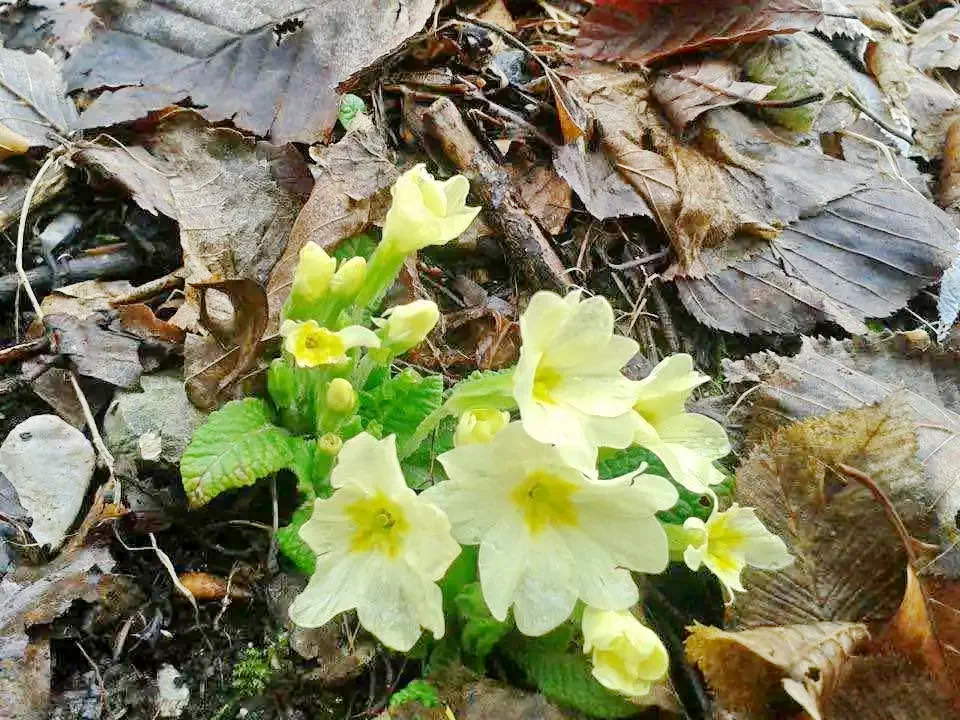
83 299
546 195
55 389
236 200
32 596
865 144
929 106
848 559
687 92
34 99
837 22
936 44
234 64
139 320
13 191
241 342
949 197
644 31
879 15
599 185
94 350
57 25
856 244
12 143
145 178
351 172
830 375
749 669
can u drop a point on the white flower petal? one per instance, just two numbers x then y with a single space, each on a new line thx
547 591
370 464
542 320
504 553
429 546
602 395
332 589
328 529
666 389
358 336
760 547
703 435
583 336
600 582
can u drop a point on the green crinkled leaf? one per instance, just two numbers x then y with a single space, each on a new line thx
298 393
400 404
419 691
362 245
421 467
614 463
350 106
480 631
290 544
486 389
312 467
238 445
565 678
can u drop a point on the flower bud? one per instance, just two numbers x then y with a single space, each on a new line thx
341 397
408 325
314 271
479 426
330 444
627 656
426 211
348 277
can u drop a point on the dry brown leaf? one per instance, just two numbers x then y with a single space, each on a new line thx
34 99
643 31
82 299
599 185
748 669
229 60
687 92
936 43
351 172
929 106
829 375
138 319
240 341
144 177
546 195
236 200
879 15
849 560
95 350
949 197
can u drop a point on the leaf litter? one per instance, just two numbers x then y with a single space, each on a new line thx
759 169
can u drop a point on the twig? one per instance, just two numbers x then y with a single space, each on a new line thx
22 229
85 267
891 512
652 257
878 120
24 350
272 566
96 673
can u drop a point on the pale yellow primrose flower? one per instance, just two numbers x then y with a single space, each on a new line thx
426 211
312 345
348 278
686 443
380 549
479 426
568 383
314 271
627 656
731 540
406 326
548 535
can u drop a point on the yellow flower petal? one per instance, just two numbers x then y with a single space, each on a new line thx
627 656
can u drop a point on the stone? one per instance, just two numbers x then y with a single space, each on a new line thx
173 695
50 464
155 424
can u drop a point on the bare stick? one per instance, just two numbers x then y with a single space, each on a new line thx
22 228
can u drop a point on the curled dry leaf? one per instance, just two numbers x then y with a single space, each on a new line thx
688 91
849 560
829 375
643 31
547 195
936 43
949 198
33 98
239 342
747 670
233 63
351 172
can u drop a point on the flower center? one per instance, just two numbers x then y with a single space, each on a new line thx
379 525
324 346
545 382
545 500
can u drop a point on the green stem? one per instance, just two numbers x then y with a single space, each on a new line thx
430 423
382 271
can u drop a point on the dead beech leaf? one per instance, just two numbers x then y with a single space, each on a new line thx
94 350
840 20
351 172
12 143
83 299
599 185
240 342
748 669
236 200
138 319
231 62
644 31
936 43
829 375
33 97
688 91
849 560
949 198
546 195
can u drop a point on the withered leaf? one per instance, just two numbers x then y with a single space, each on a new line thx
229 60
849 560
643 31
546 195
352 171
96 351
936 43
33 97
688 91
241 344
82 299
748 669
598 184
829 375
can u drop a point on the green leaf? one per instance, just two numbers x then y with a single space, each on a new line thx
238 445
350 106
400 404
615 463
312 467
486 389
565 678
290 544
362 245
298 393
480 630
421 467
419 691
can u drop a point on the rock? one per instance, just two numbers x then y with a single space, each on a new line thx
173 695
50 463
155 424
